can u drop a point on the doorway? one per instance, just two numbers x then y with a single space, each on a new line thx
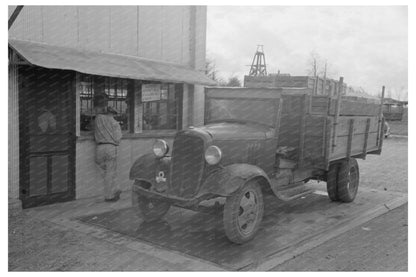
47 135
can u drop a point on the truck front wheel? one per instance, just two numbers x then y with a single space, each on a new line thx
243 213
149 209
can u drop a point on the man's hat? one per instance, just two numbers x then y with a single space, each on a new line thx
100 100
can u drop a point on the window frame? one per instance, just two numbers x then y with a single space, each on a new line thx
133 91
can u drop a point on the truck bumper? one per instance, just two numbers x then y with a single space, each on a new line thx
174 200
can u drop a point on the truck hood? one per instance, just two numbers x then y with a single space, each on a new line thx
234 131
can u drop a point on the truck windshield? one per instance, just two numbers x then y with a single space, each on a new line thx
251 110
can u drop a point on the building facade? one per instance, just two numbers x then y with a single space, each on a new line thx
149 60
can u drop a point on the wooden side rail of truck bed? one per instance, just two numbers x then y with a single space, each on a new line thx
322 129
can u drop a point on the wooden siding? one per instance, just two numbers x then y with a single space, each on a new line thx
150 32
154 32
13 146
62 30
29 24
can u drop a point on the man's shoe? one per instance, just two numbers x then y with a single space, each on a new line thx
117 195
115 198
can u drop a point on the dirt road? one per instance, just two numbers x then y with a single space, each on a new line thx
378 245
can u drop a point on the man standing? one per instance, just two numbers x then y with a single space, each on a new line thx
107 134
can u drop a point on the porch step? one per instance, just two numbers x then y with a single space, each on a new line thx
292 192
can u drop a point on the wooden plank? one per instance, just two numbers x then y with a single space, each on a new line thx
29 24
319 105
381 135
367 129
172 33
334 138
319 110
315 141
380 117
93 28
302 131
314 124
296 90
186 35
265 93
349 107
361 99
259 79
292 104
329 124
350 135
150 32
60 25
310 103
123 30
319 87
320 101
359 124
289 130
358 108
357 144
324 131
278 121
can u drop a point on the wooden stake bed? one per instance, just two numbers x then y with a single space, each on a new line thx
326 132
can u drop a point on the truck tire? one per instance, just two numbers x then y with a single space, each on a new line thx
243 213
331 182
348 180
149 209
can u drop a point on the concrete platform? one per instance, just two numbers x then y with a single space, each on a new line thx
288 229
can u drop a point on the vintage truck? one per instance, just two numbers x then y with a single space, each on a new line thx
258 141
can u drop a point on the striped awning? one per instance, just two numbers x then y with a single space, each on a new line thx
106 64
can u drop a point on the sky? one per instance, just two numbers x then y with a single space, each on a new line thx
366 45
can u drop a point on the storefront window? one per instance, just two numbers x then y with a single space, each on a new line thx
116 89
86 106
160 113
117 92
142 106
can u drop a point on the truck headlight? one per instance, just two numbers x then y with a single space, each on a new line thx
213 155
160 148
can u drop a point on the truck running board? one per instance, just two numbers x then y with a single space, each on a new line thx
292 192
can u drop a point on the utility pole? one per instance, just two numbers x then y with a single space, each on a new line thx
258 66
14 15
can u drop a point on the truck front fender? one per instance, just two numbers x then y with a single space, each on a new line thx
230 178
147 167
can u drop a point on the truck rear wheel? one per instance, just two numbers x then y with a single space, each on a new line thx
243 213
331 182
149 209
348 180
343 180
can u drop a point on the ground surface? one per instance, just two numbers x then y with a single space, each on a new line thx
398 128
380 244
389 170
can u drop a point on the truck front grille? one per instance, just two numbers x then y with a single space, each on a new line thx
187 165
